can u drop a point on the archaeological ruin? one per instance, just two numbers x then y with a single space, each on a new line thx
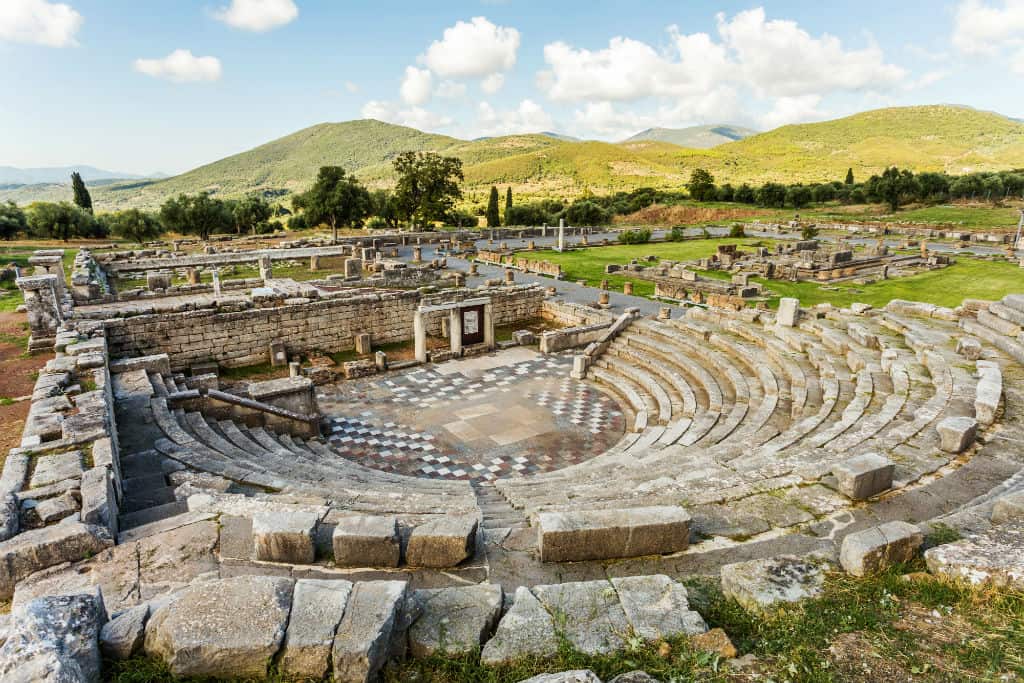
235 470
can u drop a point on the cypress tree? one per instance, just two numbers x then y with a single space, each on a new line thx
493 219
82 198
849 176
508 203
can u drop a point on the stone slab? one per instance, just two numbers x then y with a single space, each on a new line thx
317 609
875 549
606 534
369 632
453 620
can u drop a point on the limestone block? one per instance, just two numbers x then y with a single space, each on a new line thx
442 542
575 676
656 607
123 636
371 628
453 620
278 355
526 630
956 434
99 501
317 609
281 536
864 476
1009 507
363 346
55 638
230 628
873 550
36 514
589 614
994 557
38 549
969 348
366 541
604 534
761 586
989 392
53 468
789 312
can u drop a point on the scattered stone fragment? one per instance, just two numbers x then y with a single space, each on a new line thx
369 631
442 542
588 613
956 434
994 557
526 630
317 609
872 550
634 677
226 627
657 607
577 676
366 541
453 620
284 536
969 348
761 586
124 635
715 641
864 476
1008 507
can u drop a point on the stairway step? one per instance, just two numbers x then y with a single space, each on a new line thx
140 500
152 514
141 464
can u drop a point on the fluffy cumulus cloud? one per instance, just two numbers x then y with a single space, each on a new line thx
257 15
450 90
528 117
473 49
414 117
416 86
38 22
991 30
181 66
610 121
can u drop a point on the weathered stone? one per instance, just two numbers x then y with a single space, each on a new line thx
453 620
526 630
50 469
1008 507
575 676
761 586
227 627
873 550
366 541
863 476
371 628
55 638
969 348
36 514
956 434
37 549
363 346
124 635
657 607
588 613
994 557
604 534
789 312
284 536
715 641
99 501
317 609
442 542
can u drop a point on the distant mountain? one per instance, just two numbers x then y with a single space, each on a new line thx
10 175
695 137
560 136
927 138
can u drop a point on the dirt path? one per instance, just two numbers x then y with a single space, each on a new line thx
17 378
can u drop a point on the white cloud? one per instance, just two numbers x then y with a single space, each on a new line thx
39 23
1018 63
798 109
473 49
181 66
414 117
450 90
604 120
416 86
352 87
981 28
257 15
769 58
528 117
493 83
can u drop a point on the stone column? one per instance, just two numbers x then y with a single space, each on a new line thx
531 246
43 309
510 276
314 262
627 288
417 254
50 262
488 325
353 268
266 268
419 330
455 331
561 234
664 313
603 298
473 269
193 276
216 281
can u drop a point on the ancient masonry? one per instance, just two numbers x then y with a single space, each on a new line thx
149 511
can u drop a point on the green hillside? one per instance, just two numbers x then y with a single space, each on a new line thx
953 139
695 137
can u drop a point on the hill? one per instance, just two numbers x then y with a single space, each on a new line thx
57 175
695 137
929 138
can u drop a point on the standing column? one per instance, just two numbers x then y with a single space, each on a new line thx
561 234
455 331
43 309
488 322
419 331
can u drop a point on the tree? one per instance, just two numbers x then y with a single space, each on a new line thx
744 194
893 186
809 232
528 214
701 185
849 176
138 226
385 208
334 200
994 189
825 192
12 220
82 198
586 212
59 221
508 203
493 220
251 213
772 194
197 214
798 196
428 185
725 193
934 186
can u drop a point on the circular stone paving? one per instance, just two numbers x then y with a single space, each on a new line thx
505 414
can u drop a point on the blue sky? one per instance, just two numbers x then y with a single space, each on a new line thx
169 85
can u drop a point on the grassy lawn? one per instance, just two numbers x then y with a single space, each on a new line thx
967 279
